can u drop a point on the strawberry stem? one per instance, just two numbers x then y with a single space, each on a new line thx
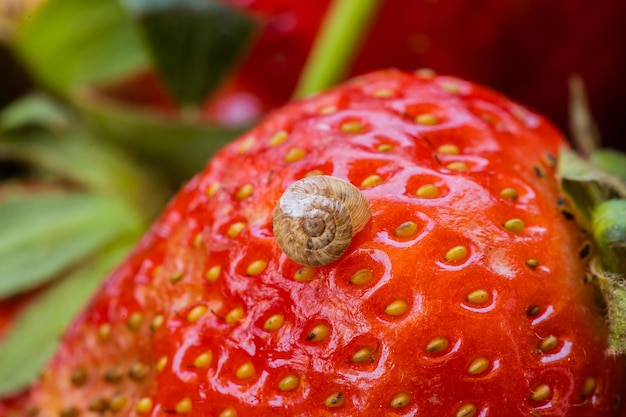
337 43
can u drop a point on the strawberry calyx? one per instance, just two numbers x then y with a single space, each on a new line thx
594 184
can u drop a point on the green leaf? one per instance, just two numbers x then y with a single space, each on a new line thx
43 235
34 335
65 43
611 161
176 146
34 109
586 186
74 158
194 43
609 230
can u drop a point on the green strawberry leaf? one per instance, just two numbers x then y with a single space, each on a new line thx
45 234
194 43
34 109
34 335
64 43
611 161
175 146
609 268
586 186
609 229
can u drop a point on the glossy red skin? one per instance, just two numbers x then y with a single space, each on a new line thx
191 237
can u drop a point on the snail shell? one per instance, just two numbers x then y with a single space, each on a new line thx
316 218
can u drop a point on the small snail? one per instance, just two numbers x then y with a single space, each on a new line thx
316 218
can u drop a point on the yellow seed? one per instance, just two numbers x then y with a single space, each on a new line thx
294 154
362 277
235 228
244 192
466 410
406 229
197 240
532 263
278 138
234 315
589 386
289 383
401 399
540 392
144 405
228 412
256 267
138 371
328 110
457 166
336 399
427 119
304 274
385 147
548 343
397 308
274 323
438 344
318 333
245 371
514 225
161 363
383 93
425 73
427 191
70 411
450 87
371 181
212 189
448 149
118 403
363 355
104 332
183 406
213 273
195 313
478 366
176 276
113 374
203 360
134 321
509 194
246 145
456 254
157 322
79 377
313 173
352 127
477 296
98 405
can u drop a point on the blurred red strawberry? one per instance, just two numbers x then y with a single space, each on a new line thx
524 48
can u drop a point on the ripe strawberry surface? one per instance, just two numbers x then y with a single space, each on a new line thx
462 296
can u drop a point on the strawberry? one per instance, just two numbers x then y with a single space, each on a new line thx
462 295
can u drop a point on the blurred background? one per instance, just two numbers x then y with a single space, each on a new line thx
108 106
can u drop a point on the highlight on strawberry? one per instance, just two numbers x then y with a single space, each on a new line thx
471 290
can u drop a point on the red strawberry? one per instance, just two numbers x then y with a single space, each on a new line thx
463 295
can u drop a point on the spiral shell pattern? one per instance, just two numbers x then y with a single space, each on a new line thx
316 218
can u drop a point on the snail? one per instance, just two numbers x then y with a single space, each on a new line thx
316 218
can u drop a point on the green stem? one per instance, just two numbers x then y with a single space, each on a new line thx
336 45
